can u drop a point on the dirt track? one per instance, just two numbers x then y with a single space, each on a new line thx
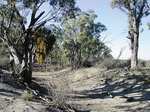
90 92
86 88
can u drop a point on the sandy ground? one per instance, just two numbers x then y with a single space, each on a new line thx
87 88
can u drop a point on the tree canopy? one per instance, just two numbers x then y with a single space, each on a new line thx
82 38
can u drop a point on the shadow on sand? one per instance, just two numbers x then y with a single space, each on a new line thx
134 88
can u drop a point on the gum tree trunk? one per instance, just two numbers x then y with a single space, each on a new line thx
134 39
22 63
27 72
22 67
134 52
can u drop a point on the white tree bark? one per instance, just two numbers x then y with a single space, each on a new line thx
13 57
134 38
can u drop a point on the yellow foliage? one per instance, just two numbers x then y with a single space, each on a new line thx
40 50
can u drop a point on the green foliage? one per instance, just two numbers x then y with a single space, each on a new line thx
48 38
82 38
57 55
78 40
134 6
125 3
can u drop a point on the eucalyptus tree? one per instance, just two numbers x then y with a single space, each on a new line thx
136 10
20 22
82 38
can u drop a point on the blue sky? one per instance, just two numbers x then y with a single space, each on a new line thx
116 23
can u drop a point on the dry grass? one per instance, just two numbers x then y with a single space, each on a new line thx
27 95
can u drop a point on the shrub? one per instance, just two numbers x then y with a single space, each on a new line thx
110 63
27 95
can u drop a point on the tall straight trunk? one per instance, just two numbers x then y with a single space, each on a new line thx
134 39
134 52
